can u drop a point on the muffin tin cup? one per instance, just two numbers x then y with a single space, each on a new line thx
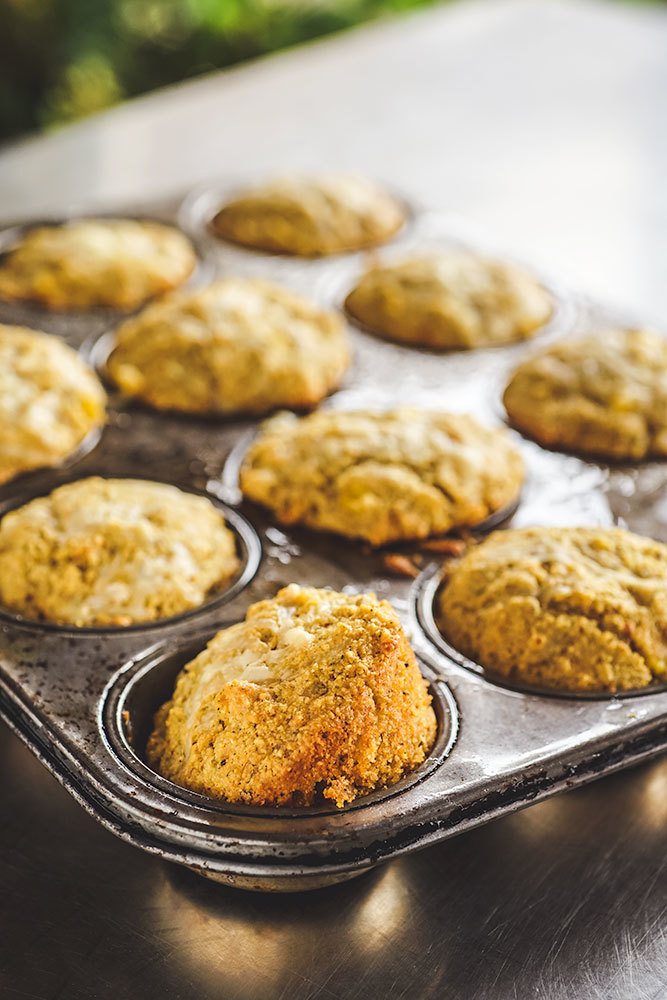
248 548
230 490
96 351
69 693
141 687
427 588
601 460
71 323
334 287
197 210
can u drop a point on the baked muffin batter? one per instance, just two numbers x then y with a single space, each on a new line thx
310 217
382 476
451 300
239 345
603 394
113 552
49 400
314 693
577 609
96 262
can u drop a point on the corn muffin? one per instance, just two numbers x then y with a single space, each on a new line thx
574 609
315 694
113 552
49 401
238 346
382 476
448 301
311 217
120 263
604 394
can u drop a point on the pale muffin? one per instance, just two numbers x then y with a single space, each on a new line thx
120 263
382 476
453 300
113 552
315 693
311 217
604 394
576 609
238 346
49 401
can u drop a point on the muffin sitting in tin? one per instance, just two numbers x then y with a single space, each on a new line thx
113 552
120 263
452 300
604 394
382 476
315 694
575 609
49 401
311 217
240 345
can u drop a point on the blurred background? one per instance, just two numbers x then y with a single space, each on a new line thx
63 59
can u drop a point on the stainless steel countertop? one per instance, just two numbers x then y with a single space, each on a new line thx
547 124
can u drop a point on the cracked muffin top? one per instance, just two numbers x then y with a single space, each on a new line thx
120 263
311 217
316 693
113 552
604 394
576 609
448 301
50 400
238 345
382 476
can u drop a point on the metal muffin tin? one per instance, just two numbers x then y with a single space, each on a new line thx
82 699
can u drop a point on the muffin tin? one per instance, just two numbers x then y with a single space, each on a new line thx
82 699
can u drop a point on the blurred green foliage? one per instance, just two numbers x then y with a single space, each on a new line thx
63 59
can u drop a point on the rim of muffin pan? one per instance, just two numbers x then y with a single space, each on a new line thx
426 588
204 270
145 683
248 550
230 481
197 210
334 287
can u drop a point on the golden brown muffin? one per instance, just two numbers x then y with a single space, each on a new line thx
449 301
603 394
49 400
315 693
113 552
311 217
240 345
385 476
576 609
119 263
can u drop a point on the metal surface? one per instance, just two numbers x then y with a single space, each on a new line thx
565 899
